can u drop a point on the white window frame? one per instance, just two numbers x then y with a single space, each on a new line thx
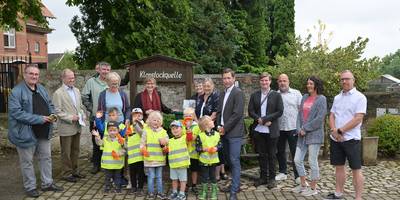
37 47
10 33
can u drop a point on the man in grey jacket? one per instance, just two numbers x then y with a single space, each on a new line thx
90 96
30 128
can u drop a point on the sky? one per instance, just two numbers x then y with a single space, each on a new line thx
377 20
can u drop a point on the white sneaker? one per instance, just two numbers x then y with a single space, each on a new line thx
129 186
309 192
299 189
281 177
297 181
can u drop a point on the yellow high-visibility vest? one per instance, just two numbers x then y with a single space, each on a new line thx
192 144
107 161
153 144
178 156
207 142
133 146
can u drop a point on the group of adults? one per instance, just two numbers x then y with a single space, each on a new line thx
279 116
287 116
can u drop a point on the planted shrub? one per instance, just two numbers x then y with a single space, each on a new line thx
387 127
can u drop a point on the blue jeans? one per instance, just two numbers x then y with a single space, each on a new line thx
232 149
154 172
313 150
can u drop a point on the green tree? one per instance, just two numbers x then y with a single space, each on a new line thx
122 31
280 20
66 61
11 11
391 64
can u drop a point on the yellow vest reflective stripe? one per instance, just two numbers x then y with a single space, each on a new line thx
178 156
192 145
209 141
133 146
121 127
107 161
153 144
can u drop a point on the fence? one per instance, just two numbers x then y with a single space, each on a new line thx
10 69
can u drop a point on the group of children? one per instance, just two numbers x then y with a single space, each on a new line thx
147 146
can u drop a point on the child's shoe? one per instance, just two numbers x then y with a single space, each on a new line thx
150 196
180 197
173 195
161 196
139 192
132 190
203 193
214 191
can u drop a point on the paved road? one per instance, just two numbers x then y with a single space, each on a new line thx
382 182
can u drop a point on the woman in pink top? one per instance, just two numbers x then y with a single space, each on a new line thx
310 129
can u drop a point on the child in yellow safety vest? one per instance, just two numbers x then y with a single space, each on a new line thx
101 125
154 146
208 144
135 158
192 130
112 159
179 161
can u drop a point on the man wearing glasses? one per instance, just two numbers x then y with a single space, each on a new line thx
347 113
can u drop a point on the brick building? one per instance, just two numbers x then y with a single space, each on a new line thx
27 45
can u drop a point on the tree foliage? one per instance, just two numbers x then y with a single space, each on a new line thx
391 64
212 33
12 11
66 61
306 60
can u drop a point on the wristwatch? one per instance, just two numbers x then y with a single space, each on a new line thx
339 131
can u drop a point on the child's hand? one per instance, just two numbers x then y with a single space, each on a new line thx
163 141
165 149
144 152
99 114
115 155
95 133
212 150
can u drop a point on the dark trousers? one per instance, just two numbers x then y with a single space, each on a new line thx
96 155
207 174
115 175
266 148
291 138
136 172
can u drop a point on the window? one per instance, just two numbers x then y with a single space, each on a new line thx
37 47
9 38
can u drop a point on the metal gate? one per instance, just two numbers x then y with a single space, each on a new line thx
10 69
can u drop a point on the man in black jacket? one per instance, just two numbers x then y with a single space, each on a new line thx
265 107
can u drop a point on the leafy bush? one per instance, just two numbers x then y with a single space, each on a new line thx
387 127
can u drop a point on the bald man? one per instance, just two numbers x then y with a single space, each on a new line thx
287 124
69 109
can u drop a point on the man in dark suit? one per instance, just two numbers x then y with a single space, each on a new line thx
230 121
265 107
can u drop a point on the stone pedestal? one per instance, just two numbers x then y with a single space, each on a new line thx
369 150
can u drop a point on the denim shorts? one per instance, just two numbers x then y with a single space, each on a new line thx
178 174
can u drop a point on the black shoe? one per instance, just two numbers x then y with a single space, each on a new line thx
260 182
140 192
79 175
271 184
71 179
32 193
132 190
233 196
333 196
53 187
94 170
224 176
225 189
194 190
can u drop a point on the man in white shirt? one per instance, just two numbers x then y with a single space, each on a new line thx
347 113
287 125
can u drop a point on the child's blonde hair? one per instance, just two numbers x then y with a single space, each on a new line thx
155 115
203 122
190 111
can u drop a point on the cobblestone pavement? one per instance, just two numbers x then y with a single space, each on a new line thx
381 182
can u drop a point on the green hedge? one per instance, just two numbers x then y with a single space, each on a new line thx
387 127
